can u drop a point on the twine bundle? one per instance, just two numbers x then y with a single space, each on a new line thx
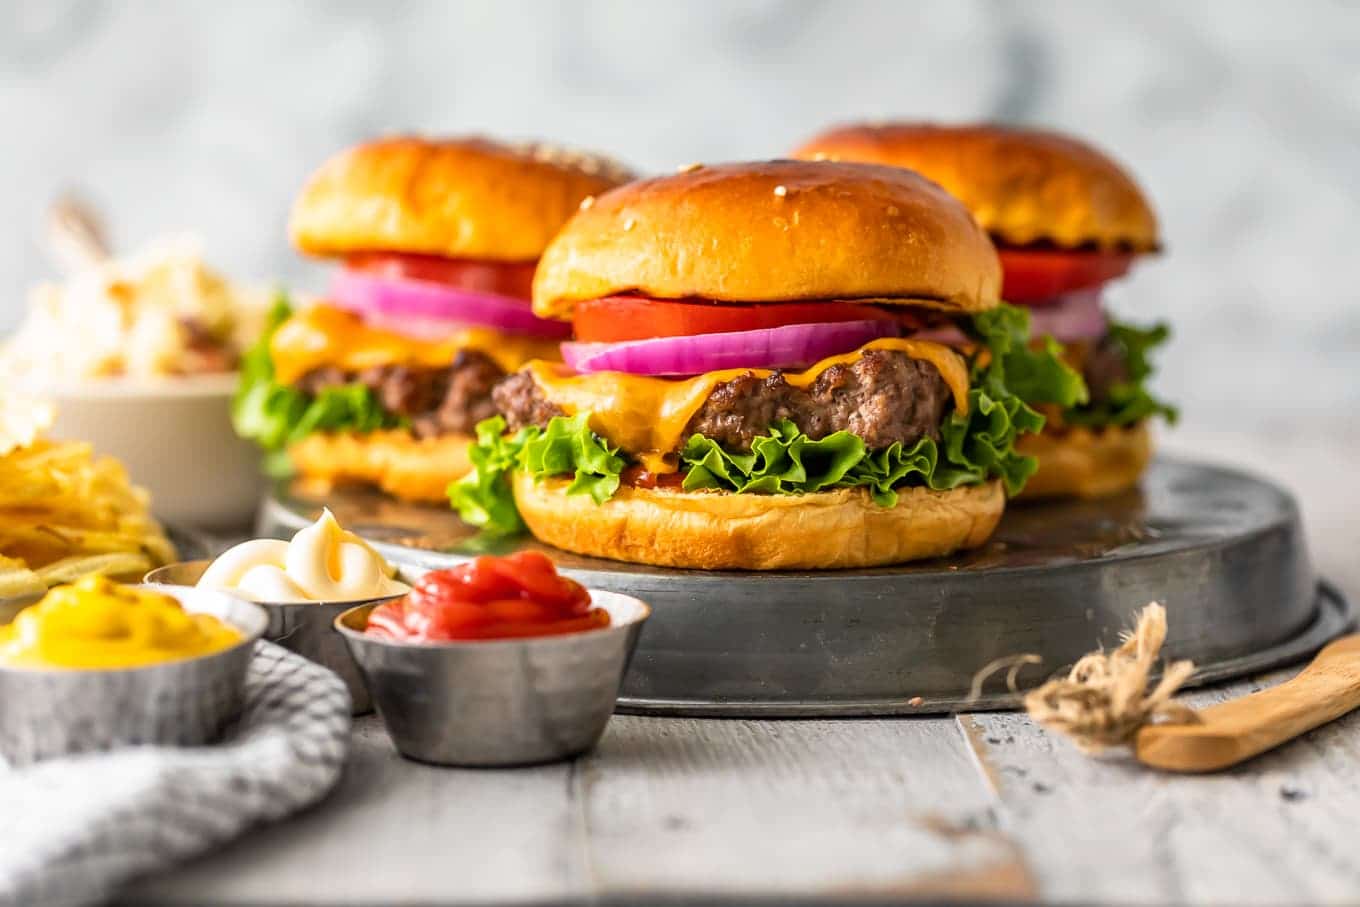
1104 699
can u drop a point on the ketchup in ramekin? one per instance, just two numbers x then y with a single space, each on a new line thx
521 595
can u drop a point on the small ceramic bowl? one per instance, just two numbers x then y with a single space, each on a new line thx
307 628
49 712
498 702
176 439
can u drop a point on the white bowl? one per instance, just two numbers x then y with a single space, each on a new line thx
174 435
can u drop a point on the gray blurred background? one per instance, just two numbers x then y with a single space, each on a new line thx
1241 120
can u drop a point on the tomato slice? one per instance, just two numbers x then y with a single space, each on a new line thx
1037 276
614 319
513 279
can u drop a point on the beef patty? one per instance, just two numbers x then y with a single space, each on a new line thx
1103 367
437 401
884 396
520 401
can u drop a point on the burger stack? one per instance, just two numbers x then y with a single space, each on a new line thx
1066 220
384 381
843 361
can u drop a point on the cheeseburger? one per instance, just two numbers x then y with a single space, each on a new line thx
745 390
437 241
1066 220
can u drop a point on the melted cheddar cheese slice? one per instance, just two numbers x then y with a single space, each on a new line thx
646 416
327 336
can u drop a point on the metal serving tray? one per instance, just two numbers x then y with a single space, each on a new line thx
1223 551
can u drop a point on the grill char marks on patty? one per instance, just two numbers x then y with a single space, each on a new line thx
437 401
884 396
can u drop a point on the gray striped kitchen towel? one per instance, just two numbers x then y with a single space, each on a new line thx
75 829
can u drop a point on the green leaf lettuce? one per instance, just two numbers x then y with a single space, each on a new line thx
971 449
1129 401
1033 375
275 415
566 447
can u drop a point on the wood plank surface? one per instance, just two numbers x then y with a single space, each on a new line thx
1278 829
397 832
980 807
671 807
804 808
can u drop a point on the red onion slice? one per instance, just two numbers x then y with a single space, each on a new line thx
1071 317
431 329
1078 315
422 304
782 347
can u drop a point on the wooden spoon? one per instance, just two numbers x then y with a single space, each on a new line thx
1233 731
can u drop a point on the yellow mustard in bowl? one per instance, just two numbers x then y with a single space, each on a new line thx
97 623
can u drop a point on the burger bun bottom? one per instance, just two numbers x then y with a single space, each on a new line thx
720 531
1085 462
406 467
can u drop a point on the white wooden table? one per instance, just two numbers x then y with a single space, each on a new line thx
977 806
985 806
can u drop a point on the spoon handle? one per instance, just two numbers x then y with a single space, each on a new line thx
1236 730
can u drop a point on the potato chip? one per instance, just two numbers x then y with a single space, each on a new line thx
120 565
16 580
66 513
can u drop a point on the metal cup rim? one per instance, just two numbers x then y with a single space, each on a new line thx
252 626
152 579
642 613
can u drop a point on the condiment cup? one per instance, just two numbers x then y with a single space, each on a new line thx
49 712
307 628
498 702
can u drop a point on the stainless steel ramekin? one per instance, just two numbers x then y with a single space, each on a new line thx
307 628
498 702
48 712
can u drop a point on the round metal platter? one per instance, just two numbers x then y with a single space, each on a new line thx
1223 551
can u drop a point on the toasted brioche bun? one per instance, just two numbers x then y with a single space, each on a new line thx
400 464
459 198
719 531
773 232
1023 185
1086 463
